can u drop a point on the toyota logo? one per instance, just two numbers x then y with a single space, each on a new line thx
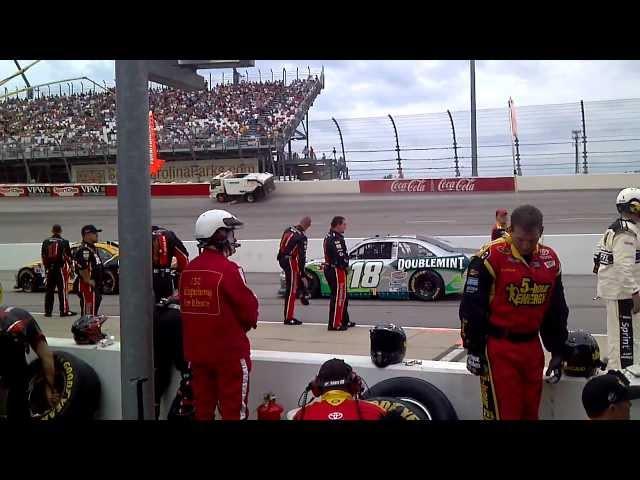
335 416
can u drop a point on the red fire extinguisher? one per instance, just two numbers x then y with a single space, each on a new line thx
269 410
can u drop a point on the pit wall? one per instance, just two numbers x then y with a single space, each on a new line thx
259 256
287 373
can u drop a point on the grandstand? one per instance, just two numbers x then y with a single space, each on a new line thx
42 139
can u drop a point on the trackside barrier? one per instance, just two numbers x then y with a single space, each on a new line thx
100 190
259 256
287 373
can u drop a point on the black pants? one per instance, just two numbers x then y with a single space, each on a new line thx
163 285
167 347
15 377
338 314
56 279
292 286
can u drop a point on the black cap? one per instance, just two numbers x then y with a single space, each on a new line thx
334 373
89 229
605 390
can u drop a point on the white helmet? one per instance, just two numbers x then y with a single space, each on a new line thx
629 200
210 222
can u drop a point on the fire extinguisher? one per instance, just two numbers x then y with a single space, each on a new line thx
269 410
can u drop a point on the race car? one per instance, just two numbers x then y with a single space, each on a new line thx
32 278
397 267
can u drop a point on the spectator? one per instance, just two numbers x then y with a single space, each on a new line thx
608 397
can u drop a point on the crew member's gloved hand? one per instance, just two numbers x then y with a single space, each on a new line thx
636 302
477 364
554 370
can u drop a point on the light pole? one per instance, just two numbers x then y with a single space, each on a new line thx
474 133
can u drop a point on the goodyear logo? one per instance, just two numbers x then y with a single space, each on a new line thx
527 293
450 263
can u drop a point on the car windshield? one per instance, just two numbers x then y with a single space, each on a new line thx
443 244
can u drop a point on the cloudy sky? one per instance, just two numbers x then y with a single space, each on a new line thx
372 88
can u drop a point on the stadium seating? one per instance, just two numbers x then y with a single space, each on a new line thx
244 112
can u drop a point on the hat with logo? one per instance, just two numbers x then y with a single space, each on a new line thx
89 229
604 390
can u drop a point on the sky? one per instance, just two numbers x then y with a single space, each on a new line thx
360 94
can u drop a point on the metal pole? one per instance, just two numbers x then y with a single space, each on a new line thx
71 88
474 133
455 145
289 160
297 78
585 167
518 169
49 88
309 69
284 76
81 87
210 81
395 130
60 85
134 227
272 75
307 129
576 134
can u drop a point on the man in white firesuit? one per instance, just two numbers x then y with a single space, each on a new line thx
617 263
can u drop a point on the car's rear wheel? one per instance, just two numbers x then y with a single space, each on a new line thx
250 197
110 283
221 197
426 285
314 284
27 280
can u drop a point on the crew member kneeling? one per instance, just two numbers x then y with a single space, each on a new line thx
218 309
339 389
513 293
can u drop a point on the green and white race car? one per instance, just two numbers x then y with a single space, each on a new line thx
397 267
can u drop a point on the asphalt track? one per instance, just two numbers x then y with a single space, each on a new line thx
30 220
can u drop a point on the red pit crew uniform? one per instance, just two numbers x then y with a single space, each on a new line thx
506 303
292 257
340 405
56 258
218 309
165 246
336 259
90 297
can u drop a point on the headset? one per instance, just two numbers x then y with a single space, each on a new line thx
354 384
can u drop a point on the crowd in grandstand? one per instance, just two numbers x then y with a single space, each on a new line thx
246 109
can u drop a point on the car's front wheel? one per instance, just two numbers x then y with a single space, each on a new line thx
314 284
109 283
426 285
27 280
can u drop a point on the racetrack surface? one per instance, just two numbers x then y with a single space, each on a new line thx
585 312
30 220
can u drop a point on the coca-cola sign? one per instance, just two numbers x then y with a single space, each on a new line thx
439 185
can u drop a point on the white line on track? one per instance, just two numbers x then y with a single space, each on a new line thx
452 354
431 221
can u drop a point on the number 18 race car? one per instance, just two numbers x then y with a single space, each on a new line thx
397 267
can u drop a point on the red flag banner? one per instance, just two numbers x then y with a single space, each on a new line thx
155 164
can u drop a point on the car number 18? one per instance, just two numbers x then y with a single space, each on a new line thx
366 274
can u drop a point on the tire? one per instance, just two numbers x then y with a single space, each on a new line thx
250 197
260 193
419 393
426 285
314 285
27 280
406 410
78 384
110 283
221 198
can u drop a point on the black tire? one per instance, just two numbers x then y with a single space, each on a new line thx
250 197
419 393
406 410
260 193
426 285
27 280
78 384
221 198
314 284
110 283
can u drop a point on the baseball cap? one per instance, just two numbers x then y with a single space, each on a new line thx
501 211
334 372
89 229
604 390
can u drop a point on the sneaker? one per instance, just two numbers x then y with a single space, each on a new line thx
293 321
351 324
47 314
341 329
304 300
68 314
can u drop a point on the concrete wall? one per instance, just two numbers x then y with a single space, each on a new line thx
577 182
575 250
287 373
317 187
